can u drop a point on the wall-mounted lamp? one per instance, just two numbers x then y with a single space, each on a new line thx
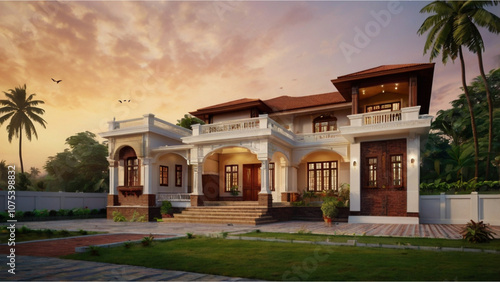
412 160
354 163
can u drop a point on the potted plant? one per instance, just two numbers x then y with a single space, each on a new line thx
329 209
234 191
166 209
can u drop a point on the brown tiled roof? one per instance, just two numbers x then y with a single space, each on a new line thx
384 68
284 103
230 103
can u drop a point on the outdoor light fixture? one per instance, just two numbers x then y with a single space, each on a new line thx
412 161
354 163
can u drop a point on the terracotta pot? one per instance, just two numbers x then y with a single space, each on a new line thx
327 219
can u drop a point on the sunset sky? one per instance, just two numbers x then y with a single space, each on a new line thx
172 57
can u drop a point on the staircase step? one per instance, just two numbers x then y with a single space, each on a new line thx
230 203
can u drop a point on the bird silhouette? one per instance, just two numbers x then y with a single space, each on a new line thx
56 81
124 101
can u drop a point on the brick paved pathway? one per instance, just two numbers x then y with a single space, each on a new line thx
66 246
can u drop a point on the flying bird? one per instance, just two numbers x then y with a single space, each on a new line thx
124 101
56 81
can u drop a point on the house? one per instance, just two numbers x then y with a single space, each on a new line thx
367 135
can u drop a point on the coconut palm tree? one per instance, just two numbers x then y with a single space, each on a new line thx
466 33
441 26
22 112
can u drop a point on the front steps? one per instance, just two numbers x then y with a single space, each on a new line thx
222 212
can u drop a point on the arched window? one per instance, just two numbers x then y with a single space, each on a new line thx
324 123
131 162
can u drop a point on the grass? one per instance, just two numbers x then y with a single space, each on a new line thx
26 234
287 261
431 242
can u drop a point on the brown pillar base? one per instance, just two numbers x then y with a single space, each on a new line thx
112 200
266 200
196 200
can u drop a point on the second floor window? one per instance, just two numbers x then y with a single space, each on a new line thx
324 123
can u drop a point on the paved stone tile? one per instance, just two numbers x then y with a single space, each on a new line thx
40 268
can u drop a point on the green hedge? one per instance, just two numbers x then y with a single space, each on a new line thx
459 186
35 215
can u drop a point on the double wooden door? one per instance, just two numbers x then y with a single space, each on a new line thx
251 182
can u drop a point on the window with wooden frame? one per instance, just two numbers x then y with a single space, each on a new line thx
324 123
397 170
372 165
392 106
230 177
178 175
271 177
322 176
132 172
163 175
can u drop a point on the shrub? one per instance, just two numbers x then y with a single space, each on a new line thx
118 217
62 212
136 217
147 241
41 213
83 232
20 214
477 232
329 207
94 211
166 207
127 245
190 235
52 213
23 230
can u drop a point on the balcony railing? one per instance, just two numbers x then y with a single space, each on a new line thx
381 117
236 125
147 122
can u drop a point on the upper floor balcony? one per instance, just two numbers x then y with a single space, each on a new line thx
404 121
255 127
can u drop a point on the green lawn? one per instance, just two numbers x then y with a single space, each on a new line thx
26 234
432 242
286 261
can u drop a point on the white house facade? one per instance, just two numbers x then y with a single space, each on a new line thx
367 135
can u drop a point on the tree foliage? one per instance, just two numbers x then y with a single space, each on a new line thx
82 167
21 111
448 155
188 120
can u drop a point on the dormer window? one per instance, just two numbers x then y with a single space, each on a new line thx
325 123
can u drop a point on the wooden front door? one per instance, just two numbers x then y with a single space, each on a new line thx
251 182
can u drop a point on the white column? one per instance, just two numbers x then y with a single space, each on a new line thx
197 180
147 164
292 178
355 177
113 177
264 177
413 174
